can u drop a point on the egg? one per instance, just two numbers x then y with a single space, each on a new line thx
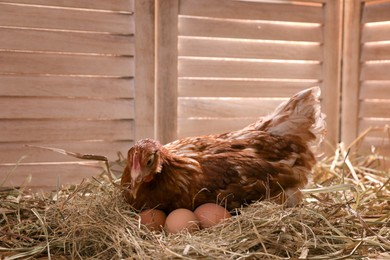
153 219
180 220
211 214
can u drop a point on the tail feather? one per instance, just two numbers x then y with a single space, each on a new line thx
300 116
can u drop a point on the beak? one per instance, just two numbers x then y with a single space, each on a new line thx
135 182
136 178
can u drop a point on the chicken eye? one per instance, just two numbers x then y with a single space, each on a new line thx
149 163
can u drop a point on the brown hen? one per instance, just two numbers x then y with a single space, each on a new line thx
269 159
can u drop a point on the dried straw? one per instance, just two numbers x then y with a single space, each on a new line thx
345 214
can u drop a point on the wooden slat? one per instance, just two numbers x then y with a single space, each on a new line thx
365 123
234 107
49 175
252 11
332 70
350 68
375 90
166 72
375 109
190 26
375 71
13 152
38 63
254 50
369 2
247 69
62 86
195 127
375 52
145 69
240 88
65 130
113 5
55 41
376 13
376 33
309 2
53 18
58 108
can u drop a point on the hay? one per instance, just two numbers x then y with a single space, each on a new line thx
345 214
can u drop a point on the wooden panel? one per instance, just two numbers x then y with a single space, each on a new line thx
229 107
244 49
166 72
252 11
372 87
55 41
42 108
376 52
53 18
67 81
38 63
13 152
330 88
375 90
375 33
240 88
112 5
247 69
63 86
49 175
375 109
375 71
222 56
350 68
145 69
195 127
190 26
65 130
376 13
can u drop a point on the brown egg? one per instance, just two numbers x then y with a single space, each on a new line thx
211 214
153 219
181 219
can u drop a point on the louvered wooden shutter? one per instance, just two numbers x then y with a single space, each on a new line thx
237 60
68 80
366 78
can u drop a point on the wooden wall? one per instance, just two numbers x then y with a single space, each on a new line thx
238 60
94 76
68 71
366 77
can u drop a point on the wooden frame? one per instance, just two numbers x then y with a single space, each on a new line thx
166 69
350 71
331 68
144 69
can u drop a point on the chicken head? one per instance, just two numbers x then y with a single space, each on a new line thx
143 163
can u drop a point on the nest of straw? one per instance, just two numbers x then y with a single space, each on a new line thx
345 214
